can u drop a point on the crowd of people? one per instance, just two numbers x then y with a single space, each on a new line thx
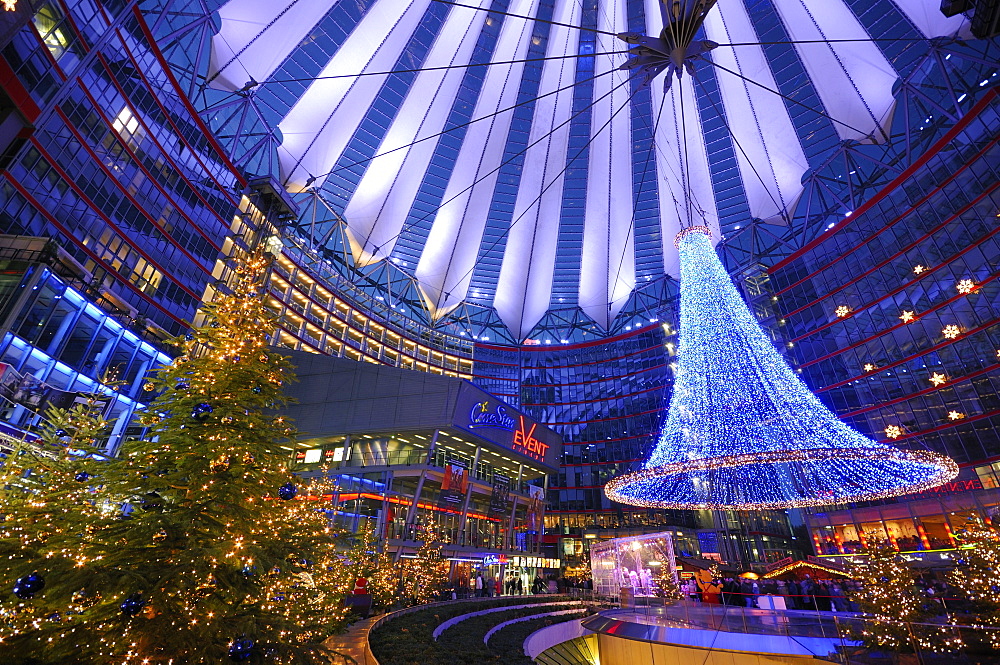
515 584
807 594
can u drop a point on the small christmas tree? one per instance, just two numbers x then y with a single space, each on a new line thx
977 574
425 575
895 613
194 545
376 566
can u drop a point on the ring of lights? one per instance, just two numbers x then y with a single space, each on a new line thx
939 469
690 229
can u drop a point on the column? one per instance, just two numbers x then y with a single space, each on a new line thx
463 519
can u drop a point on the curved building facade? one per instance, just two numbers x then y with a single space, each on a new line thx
892 317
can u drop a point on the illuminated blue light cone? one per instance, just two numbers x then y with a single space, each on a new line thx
742 430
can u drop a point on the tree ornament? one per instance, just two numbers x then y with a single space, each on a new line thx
263 358
160 536
26 587
132 605
61 433
220 464
248 458
151 501
240 649
182 386
256 390
201 410
148 387
249 571
81 477
205 588
287 491
189 336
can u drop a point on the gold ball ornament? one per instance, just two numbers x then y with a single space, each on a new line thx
220 464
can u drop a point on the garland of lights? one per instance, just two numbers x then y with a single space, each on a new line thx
742 430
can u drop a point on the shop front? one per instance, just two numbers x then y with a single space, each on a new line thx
923 525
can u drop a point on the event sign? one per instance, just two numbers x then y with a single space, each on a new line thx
493 420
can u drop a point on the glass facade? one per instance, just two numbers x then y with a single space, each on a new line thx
58 340
892 318
117 165
608 399
398 486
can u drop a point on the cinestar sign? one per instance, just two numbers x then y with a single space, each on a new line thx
482 416
489 418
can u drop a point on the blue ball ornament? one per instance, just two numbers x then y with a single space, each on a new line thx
61 432
201 410
183 385
256 390
132 605
240 649
287 491
151 501
26 587
81 476
189 336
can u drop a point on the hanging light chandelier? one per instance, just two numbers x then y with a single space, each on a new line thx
743 431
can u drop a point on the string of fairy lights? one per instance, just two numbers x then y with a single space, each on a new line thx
742 430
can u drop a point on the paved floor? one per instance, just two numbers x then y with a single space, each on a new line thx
354 644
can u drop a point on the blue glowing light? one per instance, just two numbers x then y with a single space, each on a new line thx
743 431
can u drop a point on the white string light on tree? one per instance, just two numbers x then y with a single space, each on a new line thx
743 431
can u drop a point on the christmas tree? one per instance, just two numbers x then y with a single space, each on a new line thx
375 565
425 575
192 546
895 616
45 493
977 575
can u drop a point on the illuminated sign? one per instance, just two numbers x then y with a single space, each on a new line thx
482 416
489 418
494 559
525 442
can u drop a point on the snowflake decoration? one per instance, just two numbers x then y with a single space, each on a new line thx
843 310
10 5
951 331
907 316
937 379
917 269
955 415
893 431
965 286
869 367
